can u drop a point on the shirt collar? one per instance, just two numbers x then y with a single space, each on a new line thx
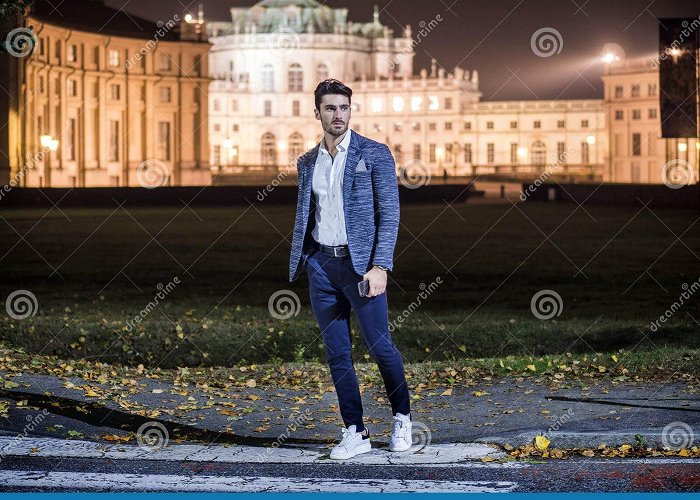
342 145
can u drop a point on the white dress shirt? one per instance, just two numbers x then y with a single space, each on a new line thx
327 185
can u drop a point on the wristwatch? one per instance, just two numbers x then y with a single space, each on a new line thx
381 267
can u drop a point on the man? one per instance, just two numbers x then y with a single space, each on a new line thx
347 218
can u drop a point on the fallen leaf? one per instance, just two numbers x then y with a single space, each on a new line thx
541 443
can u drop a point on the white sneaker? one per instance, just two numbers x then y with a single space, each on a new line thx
401 438
353 443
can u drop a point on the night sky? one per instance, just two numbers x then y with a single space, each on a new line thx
494 36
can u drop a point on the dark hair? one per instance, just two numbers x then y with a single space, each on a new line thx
331 86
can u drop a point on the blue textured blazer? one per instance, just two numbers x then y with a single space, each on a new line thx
370 205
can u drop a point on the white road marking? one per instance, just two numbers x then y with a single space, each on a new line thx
443 455
170 482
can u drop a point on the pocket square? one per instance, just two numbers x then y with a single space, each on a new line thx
361 167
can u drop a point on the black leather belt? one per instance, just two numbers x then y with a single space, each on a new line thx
335 251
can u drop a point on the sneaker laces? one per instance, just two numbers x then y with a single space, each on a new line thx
347 436
400 430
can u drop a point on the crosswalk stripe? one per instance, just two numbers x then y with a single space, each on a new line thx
170 482
442 455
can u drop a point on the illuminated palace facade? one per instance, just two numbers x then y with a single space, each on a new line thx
108 94
266 63
220 99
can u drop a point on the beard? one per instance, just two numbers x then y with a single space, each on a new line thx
337 131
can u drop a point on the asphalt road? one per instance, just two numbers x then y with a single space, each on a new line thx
78 474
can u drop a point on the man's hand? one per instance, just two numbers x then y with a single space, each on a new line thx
377 281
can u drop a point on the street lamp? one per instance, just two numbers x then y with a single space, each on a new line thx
49 144
439 152
228 146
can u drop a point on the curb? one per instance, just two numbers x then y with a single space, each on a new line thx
652 438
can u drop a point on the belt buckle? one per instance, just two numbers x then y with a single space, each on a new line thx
335 251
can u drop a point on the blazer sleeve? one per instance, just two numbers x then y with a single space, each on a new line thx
386 194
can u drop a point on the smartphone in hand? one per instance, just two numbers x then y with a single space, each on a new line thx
363 288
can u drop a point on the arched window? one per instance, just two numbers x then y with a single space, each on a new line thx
296 147
268 78
268 149
322 72
295 78
538 154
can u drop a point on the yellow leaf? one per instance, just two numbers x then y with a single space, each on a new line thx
614 358
479 393
532 368
448 392
91 393
250 382
463 348
541 443
683 453
587 453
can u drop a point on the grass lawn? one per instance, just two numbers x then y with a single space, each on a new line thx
615 269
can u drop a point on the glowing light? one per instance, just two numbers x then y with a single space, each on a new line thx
609 57
682 147
522 152
590 139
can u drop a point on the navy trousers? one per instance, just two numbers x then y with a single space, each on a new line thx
333 292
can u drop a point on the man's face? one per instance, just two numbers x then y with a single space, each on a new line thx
334 114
